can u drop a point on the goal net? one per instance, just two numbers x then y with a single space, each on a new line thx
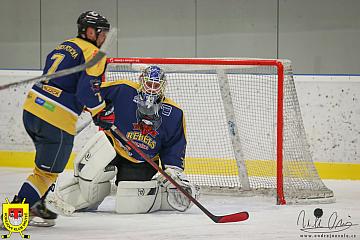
244 128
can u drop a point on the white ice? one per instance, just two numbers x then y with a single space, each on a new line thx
267 220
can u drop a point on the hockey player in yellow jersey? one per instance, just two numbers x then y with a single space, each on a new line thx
52 108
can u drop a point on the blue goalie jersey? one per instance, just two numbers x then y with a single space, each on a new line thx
167 143
61 100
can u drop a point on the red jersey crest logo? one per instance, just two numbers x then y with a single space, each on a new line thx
145 129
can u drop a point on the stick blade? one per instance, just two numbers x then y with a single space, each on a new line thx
235 217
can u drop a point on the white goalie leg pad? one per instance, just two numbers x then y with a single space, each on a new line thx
55 203
91 183
95 191
137 197
96 154
79 194
94 172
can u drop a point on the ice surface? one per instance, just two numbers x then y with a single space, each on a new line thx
267 220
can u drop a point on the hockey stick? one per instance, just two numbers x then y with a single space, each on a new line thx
46 77
235 217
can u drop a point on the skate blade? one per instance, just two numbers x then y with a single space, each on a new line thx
40 222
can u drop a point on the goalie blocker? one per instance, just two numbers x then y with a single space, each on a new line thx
91 184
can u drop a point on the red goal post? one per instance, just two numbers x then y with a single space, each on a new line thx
230 73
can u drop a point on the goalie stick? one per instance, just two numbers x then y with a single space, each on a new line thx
235 217
46 77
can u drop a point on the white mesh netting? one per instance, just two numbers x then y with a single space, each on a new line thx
210 156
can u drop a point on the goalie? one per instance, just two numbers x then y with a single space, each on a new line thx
157 126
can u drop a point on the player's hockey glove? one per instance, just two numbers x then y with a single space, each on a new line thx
105 118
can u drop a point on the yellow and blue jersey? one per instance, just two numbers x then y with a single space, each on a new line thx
61 100
167 143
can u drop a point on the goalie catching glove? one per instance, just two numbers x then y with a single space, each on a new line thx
170 194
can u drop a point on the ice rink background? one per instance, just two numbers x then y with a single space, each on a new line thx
267 220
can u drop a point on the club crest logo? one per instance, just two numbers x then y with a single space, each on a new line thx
15 217
145 129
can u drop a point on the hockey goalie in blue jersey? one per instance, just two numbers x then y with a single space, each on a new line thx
156 125
51 110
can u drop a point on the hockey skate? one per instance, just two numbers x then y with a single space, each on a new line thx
40 215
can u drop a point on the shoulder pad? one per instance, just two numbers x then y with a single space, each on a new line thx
89 51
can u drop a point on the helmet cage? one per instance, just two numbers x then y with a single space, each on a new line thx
151 91
153 81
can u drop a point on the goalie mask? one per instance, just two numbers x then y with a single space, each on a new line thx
151 94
